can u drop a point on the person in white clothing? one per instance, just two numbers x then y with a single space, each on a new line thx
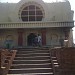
39 40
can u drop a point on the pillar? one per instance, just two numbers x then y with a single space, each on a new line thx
43 32
67 32
20 37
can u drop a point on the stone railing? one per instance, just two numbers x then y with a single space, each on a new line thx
37 24
6 59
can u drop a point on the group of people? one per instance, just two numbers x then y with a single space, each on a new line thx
37 41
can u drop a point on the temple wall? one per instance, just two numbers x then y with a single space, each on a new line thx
61 11
52 36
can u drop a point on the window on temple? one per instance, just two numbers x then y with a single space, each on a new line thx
31 13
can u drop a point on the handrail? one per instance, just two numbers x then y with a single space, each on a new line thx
55 66
66 59
52 64
6 61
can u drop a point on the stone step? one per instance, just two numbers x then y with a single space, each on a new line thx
34 57
53 57
30 61
36 48
29 55
49 73
31 58
34 51
30 66
30 70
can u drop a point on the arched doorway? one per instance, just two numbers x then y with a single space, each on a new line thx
30 39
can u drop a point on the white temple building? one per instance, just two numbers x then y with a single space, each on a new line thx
19 22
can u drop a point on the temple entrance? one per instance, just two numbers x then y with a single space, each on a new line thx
30 39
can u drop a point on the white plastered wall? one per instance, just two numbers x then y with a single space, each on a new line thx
61 11
54 32
3 36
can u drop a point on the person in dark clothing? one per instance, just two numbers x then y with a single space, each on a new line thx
36 40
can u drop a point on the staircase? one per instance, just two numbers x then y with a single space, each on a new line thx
32 61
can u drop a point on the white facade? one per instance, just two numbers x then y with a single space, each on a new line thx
56 18
61 11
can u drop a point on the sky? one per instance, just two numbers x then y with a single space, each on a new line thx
72 2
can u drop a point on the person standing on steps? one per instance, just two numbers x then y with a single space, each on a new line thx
36 40
39 40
